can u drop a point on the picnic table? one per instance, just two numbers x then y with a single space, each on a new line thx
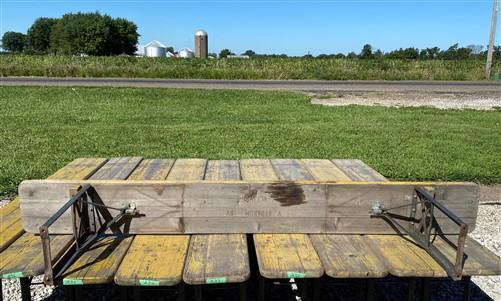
202 260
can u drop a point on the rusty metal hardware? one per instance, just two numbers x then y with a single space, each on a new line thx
87 211
424 228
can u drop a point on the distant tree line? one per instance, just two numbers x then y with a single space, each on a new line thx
75 34
454 52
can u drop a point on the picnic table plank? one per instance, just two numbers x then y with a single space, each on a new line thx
153 260
343 256
99 263
479 261
359 171
282 255
10 224
24 256
218 258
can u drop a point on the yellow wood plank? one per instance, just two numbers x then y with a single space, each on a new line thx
154 260
287 256
152 169
10 224
358 170
80 169
281 255
24 257
404 258
220 258
188 169
348 256
324 170
99 263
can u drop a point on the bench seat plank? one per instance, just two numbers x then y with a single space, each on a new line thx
99 263
343 256
218 258
25 255
282 255
153 260
358 170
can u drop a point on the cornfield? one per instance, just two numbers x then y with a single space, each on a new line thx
255 68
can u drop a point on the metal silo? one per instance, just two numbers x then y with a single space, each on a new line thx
201 44
154 49
186 53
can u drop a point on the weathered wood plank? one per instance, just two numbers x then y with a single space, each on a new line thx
24 257
152 169
100 262
358 170
183 169
10 224
404 258
218 258
153 260
330 207
324 170
348 256
287 255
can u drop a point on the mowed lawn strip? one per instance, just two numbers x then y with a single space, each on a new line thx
42 129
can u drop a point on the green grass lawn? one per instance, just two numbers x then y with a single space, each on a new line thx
42 129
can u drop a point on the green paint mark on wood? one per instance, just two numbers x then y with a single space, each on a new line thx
72 281
149 282
295 275
12 275
215 280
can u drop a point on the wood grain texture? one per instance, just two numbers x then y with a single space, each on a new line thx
99 263
283 255
348 256
324 170
404 258
24 257
10 224
81 168
184 169
218 258
358 170
155 260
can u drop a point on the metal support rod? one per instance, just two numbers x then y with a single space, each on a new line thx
466 288
25 283
492 38
425 288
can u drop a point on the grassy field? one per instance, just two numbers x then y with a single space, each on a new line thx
256 68
42 129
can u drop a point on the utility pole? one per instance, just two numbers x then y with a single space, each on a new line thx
488 66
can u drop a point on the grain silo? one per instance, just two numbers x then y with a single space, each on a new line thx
154 49
186 53
201 44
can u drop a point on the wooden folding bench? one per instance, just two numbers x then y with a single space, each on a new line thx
202 239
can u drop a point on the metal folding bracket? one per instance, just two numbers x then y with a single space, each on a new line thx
90 219
424 228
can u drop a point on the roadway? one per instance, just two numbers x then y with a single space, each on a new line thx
295 85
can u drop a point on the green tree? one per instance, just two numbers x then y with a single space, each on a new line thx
123 38
249 53
14 41
366 52
225 52
38 37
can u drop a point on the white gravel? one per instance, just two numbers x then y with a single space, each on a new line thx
458 100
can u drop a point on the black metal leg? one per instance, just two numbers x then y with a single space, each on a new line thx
69 292
242 291
262 288
412 289
136 292
181 292
370 292
1 290
124 293
466 288
198 292
25 288
425 289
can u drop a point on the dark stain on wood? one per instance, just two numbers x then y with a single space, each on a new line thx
287 194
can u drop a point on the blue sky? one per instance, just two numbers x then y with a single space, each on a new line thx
279 26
